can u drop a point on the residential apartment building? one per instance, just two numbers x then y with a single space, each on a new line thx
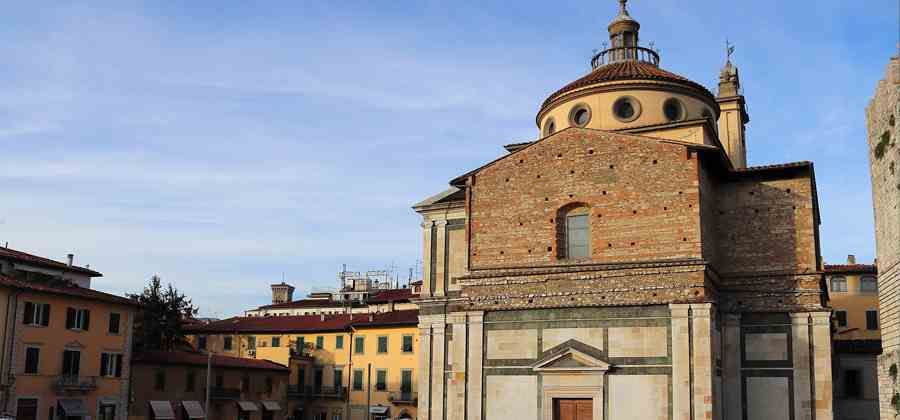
358 363
66 348
173 385
853 289
372 291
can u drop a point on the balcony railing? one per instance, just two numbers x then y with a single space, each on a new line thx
298 392
225 394
617 54
75 383
403 398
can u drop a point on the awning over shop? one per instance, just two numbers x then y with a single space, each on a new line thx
271 405
378 409
162 410
73 407
193 409
247 406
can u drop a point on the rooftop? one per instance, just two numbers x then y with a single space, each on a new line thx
851 268
26 258
310 323
64 288
200 359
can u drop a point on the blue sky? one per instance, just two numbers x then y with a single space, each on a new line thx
223 143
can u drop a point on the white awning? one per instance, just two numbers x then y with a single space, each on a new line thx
271 405
162 410
247 406
193 409
378 409
73 407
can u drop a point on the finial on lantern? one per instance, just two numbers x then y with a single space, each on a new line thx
622 9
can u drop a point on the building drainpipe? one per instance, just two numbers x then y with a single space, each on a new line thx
10 344
369 393
350 372
208 382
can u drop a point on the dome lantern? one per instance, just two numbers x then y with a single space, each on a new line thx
623 40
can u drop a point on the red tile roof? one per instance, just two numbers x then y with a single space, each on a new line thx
303 323
24 257
200 359
307 303
65 289
625 70
851 268
392 295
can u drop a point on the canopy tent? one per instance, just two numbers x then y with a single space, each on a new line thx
162 410
193 410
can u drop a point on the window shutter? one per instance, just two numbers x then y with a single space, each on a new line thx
76 362
87 320
45 315
118 366
104 364
67 362
29 314
70 318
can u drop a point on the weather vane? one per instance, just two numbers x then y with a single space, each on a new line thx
729 50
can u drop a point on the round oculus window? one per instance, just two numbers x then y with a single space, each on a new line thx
673 109
549 126
580 115
627 109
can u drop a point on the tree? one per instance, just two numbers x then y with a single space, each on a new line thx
159 324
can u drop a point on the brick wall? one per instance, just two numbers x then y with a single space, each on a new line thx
766 225
643 196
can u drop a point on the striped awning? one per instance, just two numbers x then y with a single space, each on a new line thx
193 409
162 410
247 406
378 409
74 407
271 405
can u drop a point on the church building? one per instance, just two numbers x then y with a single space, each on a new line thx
627 264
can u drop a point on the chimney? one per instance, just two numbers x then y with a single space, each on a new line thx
851 259
71 258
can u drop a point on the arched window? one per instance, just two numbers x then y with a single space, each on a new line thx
573 232
868 284
838 284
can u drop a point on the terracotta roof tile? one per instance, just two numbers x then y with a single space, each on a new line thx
200 359
24 257
625 70
305 303
303 323
66 289
851 268
392 295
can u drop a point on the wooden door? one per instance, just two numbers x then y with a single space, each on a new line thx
573 409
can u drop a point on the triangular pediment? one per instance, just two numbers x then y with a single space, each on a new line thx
572 355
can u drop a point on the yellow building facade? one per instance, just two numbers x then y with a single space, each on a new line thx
853 289
342 367
66 348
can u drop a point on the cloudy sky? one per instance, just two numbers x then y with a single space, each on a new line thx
223 144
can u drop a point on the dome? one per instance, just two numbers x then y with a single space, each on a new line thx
622 71
626 89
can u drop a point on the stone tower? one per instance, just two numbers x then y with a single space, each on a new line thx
884 159
282 293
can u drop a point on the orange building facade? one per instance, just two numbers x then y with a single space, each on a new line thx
66 347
